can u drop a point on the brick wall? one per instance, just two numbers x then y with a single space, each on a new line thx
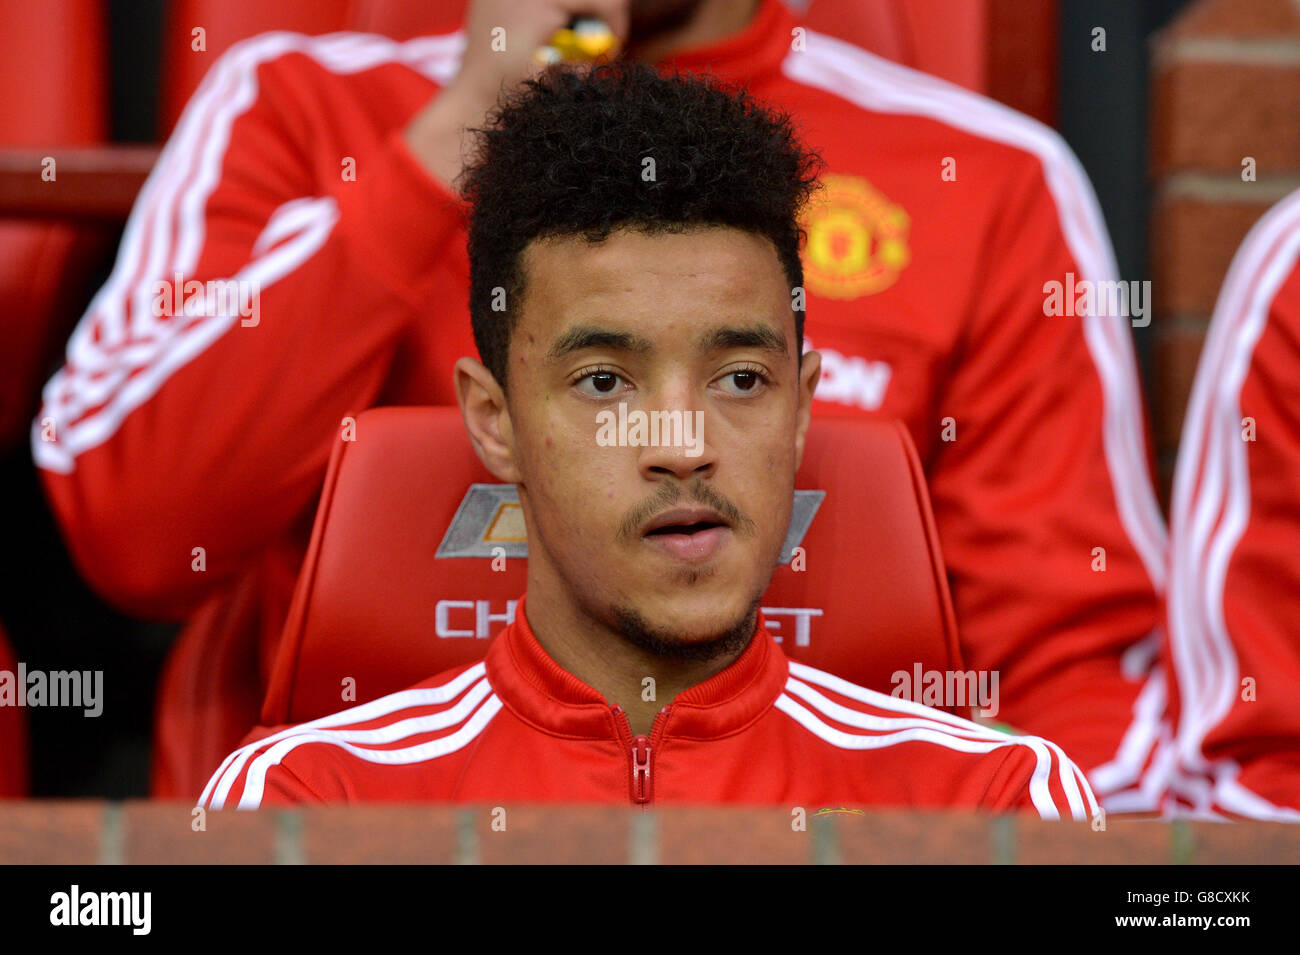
1225 86
59 832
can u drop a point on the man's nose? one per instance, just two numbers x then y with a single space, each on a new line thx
678 446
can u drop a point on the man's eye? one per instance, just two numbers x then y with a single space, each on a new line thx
599 383
745 381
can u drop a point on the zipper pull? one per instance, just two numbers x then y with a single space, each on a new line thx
641 769
640 750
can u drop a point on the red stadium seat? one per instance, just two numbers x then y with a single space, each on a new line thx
13 736
376 606
53 66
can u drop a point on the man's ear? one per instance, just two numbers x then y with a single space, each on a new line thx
810 372
487 419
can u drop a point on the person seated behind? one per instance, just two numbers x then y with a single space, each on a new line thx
634 240
1234 591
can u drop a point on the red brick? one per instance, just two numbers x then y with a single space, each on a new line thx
915 838
157 833
736 836
1237 18
367 835
1121 843
1174 361
1245 843
1192 245
594 835
1208 116
50 833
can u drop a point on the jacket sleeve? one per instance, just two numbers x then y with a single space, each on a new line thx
163 433
285 788
1036 777
1234 595
257 775
1042 495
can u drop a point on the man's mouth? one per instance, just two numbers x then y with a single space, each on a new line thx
690 534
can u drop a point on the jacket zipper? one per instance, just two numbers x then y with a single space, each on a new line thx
641 750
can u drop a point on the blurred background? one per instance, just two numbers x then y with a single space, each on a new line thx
1185 95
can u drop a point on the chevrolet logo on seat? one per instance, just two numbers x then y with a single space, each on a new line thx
490 521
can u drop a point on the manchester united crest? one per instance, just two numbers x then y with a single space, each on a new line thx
857 239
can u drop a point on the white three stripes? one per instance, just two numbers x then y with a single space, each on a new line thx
114 365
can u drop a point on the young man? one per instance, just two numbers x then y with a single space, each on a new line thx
184 454
1234 590
594 284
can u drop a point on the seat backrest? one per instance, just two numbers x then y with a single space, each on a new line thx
54 69
416 559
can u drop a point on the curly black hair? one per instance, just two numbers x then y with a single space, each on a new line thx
564 155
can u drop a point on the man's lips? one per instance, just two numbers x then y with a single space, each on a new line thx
681 518
688 533
698 545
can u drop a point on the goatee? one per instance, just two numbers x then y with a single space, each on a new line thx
639 632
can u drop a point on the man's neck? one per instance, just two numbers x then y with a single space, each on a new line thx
712 20
639 681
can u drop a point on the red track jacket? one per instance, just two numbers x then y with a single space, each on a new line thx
183 454
515 726
1234 592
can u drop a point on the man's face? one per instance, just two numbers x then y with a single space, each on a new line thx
649 18
684 534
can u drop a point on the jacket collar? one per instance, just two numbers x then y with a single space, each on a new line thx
742 57
553 700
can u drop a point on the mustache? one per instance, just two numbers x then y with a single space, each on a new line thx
671 494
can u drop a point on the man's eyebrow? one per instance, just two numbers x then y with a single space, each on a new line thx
593 336
762 337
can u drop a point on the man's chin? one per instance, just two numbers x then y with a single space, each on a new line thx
679 634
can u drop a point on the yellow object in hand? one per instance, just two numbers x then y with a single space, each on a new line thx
583 40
